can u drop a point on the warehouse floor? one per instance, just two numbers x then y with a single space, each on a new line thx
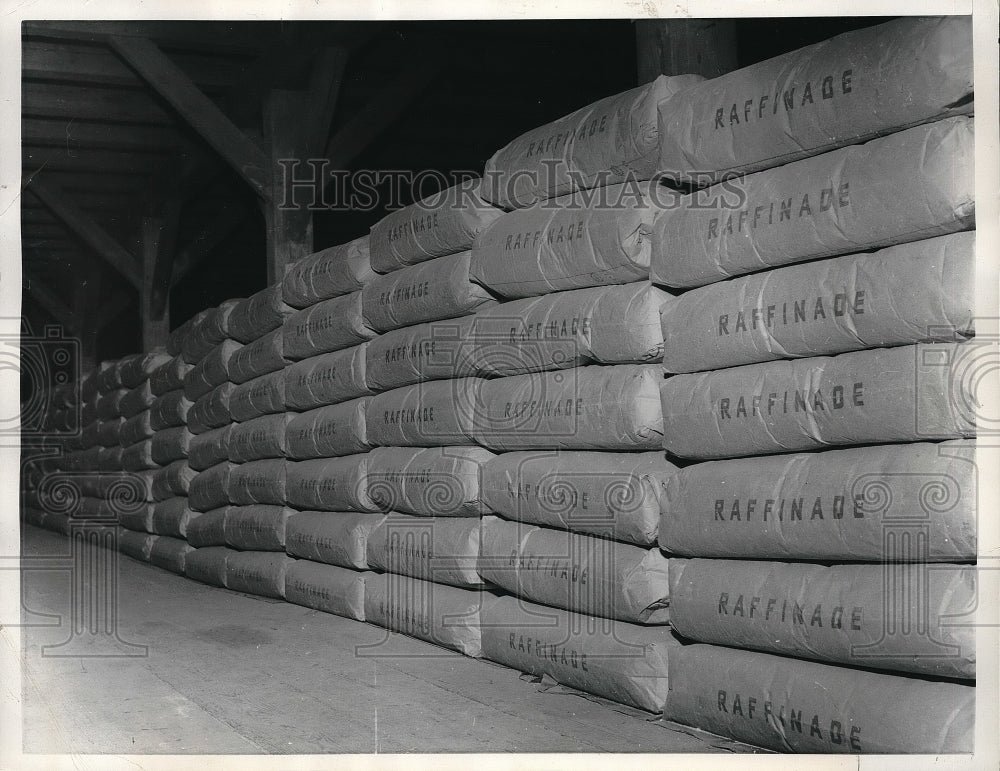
230 673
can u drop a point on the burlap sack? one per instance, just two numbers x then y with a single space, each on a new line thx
334 537
207 565
137 518
431 414
851 505
842 614
209 529
135 544
258 314
330 484
109 432
108 377
442 223
211 410
169 410
211 371
327 588
260 481
844 90
172 480
609 141
264 395
170 444
210 448
592 238
136 457
109 405
915 184
439 549
326 432
602 325
263 355
328 273
135 401
432 482
206 334
617 661
329 325
904 294
438 289
135 370
612 495
171 517
259 439
177 337
787 705
436 350
258 572
210 488
109 458
327 379
905 394
576 572
256 528
595 407
439 614
169 553
170 376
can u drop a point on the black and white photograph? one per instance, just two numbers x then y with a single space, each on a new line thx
536 387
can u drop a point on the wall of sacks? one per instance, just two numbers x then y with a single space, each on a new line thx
666 407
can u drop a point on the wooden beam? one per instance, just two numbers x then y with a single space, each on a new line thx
74 135
210 35
163 231
48 300
85 307
322 95
66 62
91 161
89 231
685 46
155 328
197 109
355 135
100 105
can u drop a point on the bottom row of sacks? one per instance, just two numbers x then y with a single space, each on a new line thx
771 701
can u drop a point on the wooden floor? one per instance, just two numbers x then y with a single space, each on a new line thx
204 670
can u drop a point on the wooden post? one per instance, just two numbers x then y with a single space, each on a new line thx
85 310
289 226
685 46
154 328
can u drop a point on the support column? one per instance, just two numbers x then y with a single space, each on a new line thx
155 327
685 46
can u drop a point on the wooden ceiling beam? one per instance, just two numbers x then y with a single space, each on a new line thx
156 68
66 62
109 249
243 37
74 134
91 161
100 105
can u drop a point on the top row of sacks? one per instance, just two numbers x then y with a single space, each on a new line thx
591 209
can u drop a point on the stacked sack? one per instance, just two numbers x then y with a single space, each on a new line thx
824 303
137 467
572 404
424 468
324 436
239 421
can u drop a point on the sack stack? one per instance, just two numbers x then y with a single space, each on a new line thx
823 303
